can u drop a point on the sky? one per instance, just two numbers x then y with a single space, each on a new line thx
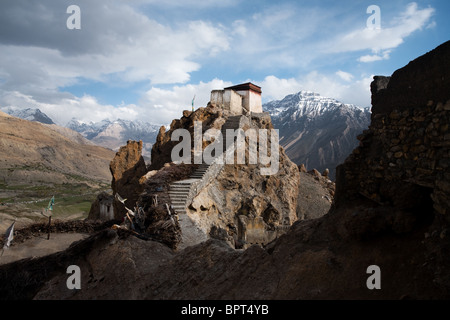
146 59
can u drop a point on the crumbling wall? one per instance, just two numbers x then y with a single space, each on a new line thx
102 208
403 159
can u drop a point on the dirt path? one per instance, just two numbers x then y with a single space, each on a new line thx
39 246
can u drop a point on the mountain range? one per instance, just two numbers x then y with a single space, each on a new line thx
317 131
114 134
30 114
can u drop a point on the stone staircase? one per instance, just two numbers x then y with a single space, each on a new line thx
179 192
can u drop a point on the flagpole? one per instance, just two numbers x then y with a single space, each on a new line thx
49 223
50 207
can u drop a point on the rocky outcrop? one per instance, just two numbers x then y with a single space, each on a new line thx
211 117
316 194
127 169
245 207
403 159
233 202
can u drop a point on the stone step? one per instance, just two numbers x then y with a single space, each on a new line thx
179 193
179 205
178 198
179 186
180 190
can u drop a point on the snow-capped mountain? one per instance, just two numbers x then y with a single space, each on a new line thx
30 114
114 134
106 133
317 131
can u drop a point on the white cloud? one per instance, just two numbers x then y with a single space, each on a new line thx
86 108
163 105
409 21
120 43
114 39
344 75
355 92
375 57
274 88
239 28
432 25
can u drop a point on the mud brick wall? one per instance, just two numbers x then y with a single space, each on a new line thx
403 159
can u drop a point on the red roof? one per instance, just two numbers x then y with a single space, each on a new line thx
245 86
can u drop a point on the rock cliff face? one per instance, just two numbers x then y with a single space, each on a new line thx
245 206
127 168
237 203
210 117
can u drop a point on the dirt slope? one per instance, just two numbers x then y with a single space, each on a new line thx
32 152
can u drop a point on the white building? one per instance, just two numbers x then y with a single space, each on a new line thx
239 99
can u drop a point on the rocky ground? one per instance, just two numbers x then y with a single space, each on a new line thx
316 194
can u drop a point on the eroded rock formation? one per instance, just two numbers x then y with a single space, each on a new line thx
211 117
127 169
243 205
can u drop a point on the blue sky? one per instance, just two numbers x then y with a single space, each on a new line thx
146 59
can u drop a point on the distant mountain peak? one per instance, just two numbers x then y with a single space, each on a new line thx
30 114
115 133
317 131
